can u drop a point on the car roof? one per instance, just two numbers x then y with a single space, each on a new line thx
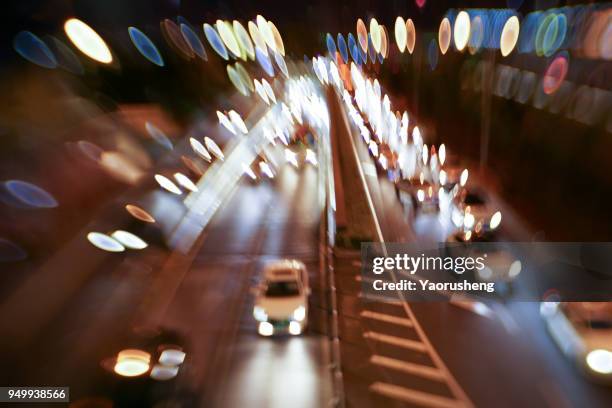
283 269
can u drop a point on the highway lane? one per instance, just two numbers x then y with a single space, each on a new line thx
209 315
232 365
505 359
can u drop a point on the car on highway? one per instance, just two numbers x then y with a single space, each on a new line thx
472 208
583 332
281 299
418 192
501 266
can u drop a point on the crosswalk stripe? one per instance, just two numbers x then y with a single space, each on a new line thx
402 321
396 341
415 397
420 370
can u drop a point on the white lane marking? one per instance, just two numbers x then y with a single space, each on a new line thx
396 341
452 383
412 396
362 177
369 169
383 317
431 373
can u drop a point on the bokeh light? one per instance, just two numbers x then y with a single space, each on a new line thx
145 46
215 41
194 42
461 31
362 35
244 40
555 73
400 34
33 49
129 240
87 41
105 242
509 35
227 36
410 35
30 195
444 35
139 213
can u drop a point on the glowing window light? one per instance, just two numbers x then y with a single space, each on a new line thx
33 49
145 46
132 363
185 182
167 184
269 90
461 31
104 242
266 32
139 213
442 154
237 121
257 38
227 36
213 148
29 194
278 40
362 35
444 35
215 41
509 36
194 42
200 149
375 35
225 122
264 61
342 47
129 240
244 40
162 372
236 80
87 41
410 35
400 34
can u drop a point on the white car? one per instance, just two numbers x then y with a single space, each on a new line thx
583 332
281 300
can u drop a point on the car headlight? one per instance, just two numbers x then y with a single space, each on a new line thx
260 314
600 361
265 329
299 314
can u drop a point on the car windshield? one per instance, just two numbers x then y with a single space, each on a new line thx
282 289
